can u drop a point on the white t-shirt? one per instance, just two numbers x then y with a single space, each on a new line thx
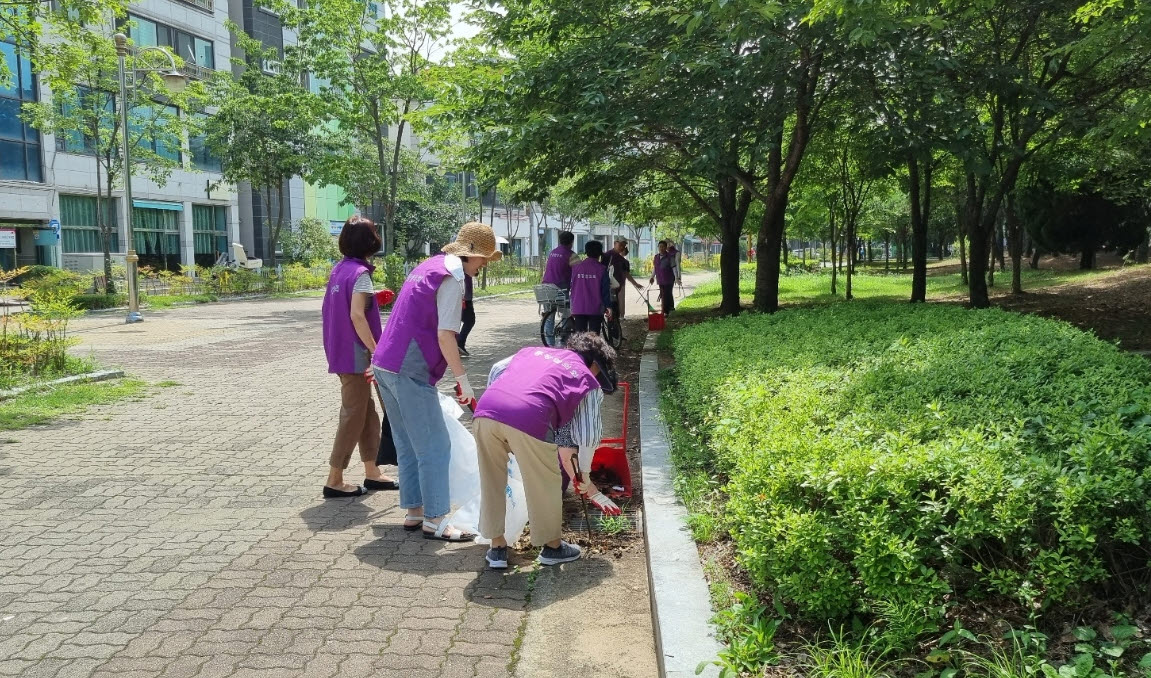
450 295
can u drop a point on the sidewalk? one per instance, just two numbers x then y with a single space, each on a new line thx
183 534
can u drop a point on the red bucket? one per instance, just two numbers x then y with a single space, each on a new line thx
655 321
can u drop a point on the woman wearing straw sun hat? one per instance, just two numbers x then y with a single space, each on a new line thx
417 345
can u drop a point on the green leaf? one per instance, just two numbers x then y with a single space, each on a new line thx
1145 662
1084 633
1123 631
1112 650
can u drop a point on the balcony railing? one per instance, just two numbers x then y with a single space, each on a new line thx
195 71
202 4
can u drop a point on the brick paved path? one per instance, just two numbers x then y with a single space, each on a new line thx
183 534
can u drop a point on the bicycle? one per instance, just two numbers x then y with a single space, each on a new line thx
554 304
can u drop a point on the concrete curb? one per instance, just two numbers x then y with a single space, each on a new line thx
102 375
680 602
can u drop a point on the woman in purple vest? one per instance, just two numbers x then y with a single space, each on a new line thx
530 397
560 260
417 346
351 329
590 290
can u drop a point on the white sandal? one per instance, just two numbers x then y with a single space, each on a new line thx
438 534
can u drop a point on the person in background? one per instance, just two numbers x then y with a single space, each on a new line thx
468 317
558 272
663 274
590 290
351 328
675 260
530 396
620 268
416 347
560 261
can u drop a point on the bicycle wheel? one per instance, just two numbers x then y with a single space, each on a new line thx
563 331
547 321
613 332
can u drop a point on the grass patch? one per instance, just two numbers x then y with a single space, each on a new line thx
505 288
167 383
160 301
815 288
42 406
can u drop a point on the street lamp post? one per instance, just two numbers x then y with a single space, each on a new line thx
175 81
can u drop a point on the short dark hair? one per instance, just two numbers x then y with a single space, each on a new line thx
593 249
591 347
567 238
359 238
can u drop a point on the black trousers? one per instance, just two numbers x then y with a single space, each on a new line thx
587 323
469 320
667 296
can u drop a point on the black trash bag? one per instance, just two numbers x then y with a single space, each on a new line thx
386 456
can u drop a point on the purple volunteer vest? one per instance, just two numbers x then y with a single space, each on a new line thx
663 272
587 281
538 391
559 268
340 339
409 344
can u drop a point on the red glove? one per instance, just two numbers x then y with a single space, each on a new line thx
385 297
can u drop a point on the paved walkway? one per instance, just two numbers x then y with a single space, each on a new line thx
182 534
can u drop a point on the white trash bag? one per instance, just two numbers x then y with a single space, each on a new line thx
464 480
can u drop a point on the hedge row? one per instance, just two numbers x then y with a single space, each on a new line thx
888 457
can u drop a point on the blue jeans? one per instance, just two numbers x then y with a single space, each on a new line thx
423 448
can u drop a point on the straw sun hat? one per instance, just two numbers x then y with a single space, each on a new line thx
475 240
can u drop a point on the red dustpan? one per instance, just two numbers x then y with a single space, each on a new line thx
610 457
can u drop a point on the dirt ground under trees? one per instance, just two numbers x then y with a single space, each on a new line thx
1116 306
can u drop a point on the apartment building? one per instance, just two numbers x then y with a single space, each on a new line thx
48 183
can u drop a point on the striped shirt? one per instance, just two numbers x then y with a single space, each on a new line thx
585 428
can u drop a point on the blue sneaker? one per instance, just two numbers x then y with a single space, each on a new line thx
564 553
497 557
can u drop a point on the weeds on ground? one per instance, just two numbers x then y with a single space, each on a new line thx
45 405
614 525
842 657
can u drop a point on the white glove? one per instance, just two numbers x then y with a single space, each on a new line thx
464 394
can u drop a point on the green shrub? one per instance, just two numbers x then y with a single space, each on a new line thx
93 302
886 457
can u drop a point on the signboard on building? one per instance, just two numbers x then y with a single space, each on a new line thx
7 239
54 226
335 227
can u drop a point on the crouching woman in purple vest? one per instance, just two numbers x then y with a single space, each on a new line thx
529 397
351 329
417 346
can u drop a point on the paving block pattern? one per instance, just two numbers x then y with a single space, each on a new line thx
182 535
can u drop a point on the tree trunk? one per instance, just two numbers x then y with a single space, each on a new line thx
886 252
834 259
1141 252
394 175
1035 257
103 227
382 158
991 260
1015 242
979 241
1087 257
963 258
920 197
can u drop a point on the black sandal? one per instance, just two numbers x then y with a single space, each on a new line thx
412 528
333 493
374 484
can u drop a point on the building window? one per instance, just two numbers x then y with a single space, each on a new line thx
202 159
79 230
19 141
156 233
151 123
92 103
192 49
210 232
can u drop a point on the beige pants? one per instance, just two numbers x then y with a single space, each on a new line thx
359 423
540 469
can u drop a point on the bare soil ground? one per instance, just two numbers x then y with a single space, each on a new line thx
1115 306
